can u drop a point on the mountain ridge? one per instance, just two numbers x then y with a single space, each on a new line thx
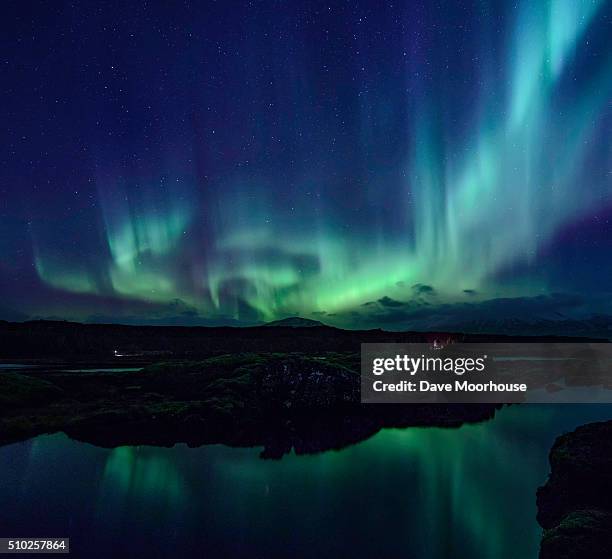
295 322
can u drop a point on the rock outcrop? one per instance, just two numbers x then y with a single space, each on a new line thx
575 504
282 402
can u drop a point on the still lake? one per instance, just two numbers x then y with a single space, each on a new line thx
424 493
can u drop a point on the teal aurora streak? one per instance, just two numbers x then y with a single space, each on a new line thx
480 184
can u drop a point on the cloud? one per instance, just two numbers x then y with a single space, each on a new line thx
423 289
388 302
418 314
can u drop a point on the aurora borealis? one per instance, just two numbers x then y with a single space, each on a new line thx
362 163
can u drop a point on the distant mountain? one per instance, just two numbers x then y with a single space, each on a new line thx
295 322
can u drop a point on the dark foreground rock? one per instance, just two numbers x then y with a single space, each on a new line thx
282 402
575 504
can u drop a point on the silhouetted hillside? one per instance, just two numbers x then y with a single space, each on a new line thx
296 322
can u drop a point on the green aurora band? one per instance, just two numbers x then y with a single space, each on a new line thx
475 205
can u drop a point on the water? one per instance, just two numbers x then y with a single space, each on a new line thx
422 493
104 370
43 369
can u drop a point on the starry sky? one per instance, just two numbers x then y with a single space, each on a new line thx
366 164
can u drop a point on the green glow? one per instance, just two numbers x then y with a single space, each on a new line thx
68 278
465 492
479 203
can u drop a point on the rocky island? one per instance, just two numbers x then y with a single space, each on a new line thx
282 402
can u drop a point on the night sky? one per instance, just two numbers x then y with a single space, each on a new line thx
362 163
